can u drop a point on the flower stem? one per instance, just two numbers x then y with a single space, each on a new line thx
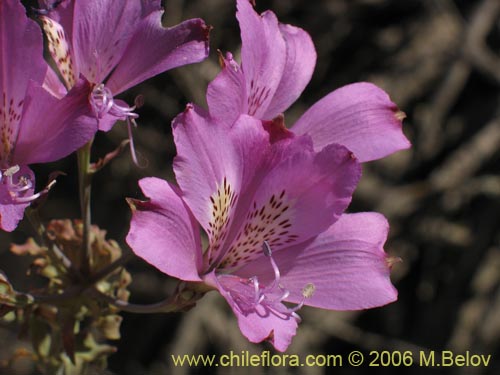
84 185
185 297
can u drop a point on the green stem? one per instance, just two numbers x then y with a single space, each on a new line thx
185 297
84 185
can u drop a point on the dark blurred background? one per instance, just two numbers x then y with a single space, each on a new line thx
439 61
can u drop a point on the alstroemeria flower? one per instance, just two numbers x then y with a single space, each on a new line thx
277 63
35 127
271 208
116 44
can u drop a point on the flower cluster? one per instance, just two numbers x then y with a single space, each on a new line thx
270 200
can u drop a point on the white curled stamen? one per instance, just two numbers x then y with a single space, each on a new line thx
266 295
17 190
102 102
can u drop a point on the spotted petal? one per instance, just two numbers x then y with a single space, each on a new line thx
346 264
298 199
213 165
21 54
59 48
164 233
361 117
263 56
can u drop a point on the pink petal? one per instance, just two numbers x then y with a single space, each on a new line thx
21 54
53 84
263 56
163 232
346 264
154 49
21 51
361 117
213 165
260 324
51 128
299 67
100 34
11 213
300 198
226 94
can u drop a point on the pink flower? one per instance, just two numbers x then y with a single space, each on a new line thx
116 44
277 63
35 127
272 212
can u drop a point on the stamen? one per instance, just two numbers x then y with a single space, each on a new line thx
17 189
250 296
268 253
131 122
102 102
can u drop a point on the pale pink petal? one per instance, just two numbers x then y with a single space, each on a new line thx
257 324
263 56
346 264
53 128
10 212
299 67
154 49
164 233
361 117
226 94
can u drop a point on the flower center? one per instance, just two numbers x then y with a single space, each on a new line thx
102 103
250 296
20 187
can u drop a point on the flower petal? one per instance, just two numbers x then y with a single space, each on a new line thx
263 56
257 324
11 213
163 232
300 198
21 54
21 51
101 32
154 49
226 94
59 49
53 84
361 117
299 67
213 165
52 128
346 264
